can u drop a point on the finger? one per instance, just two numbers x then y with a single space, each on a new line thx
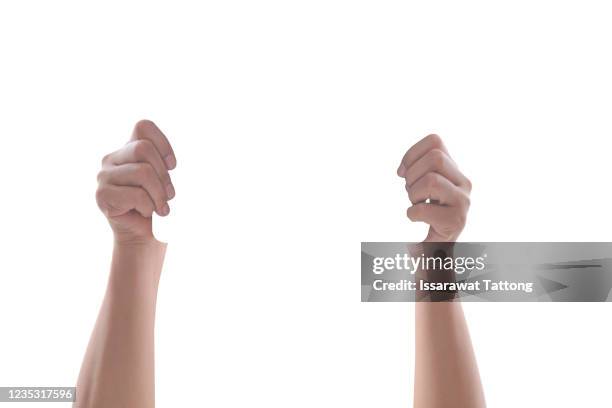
438 161
147 130
138 175
418 150
445 220
143 151
118 200
433 186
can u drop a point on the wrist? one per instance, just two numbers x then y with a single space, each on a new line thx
435 272
146 251
128 240
138 262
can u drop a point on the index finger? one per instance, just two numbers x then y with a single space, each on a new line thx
147 130
418 150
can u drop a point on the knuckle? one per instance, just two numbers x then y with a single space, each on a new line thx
139 171
101 198
144 171
463 207
461 219
467 202
468 184
411 196
150 172
141 149
437 158
101 176
143 125
435 140
105 159
100 193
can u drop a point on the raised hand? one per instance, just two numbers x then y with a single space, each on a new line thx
134 183
438 191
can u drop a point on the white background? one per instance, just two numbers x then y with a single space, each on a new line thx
289 120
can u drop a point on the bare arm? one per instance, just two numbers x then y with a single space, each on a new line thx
446 370
118 368
446 373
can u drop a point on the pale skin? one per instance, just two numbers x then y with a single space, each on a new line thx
134 182
446 373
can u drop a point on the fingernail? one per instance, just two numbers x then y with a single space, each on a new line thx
165 210
170 191
170 161
401 170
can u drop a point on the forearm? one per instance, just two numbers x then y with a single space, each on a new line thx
118 369
446 371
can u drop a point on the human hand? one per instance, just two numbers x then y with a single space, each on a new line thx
134 182
439 192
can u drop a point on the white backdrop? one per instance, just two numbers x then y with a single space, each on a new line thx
289 120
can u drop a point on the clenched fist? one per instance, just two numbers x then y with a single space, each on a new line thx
134 182
439 192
